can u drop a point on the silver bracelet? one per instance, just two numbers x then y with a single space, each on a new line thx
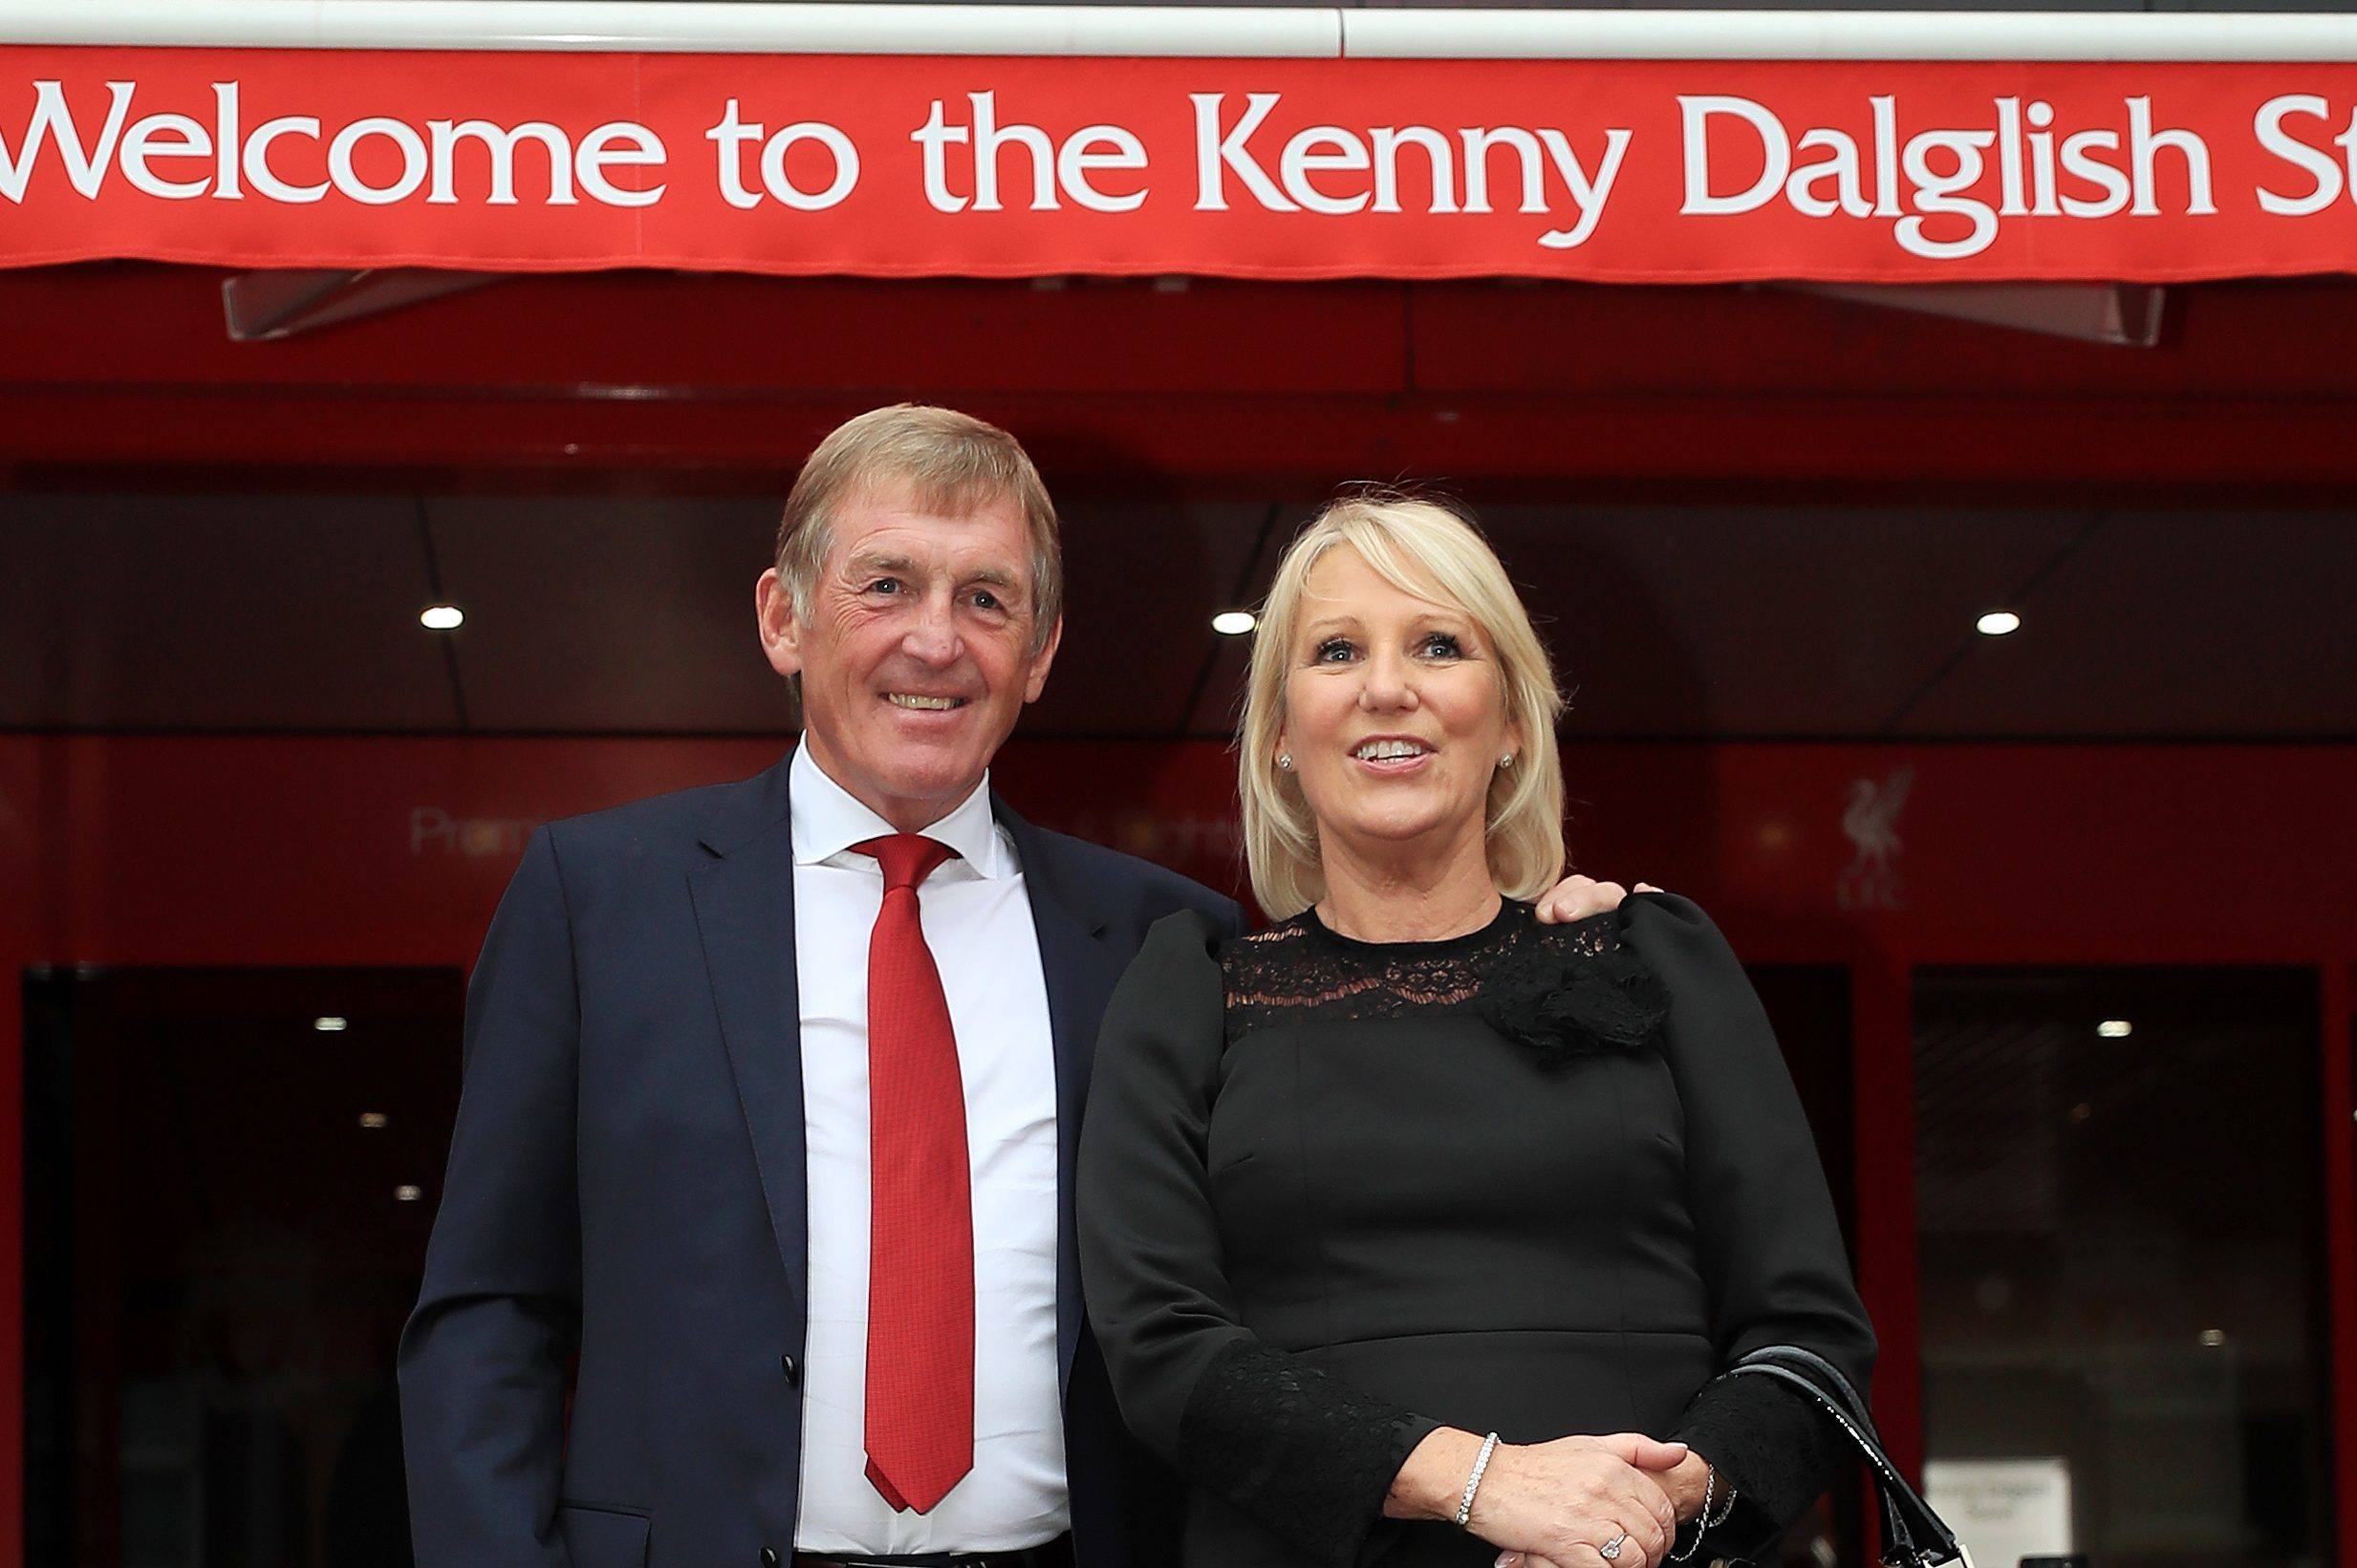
1473 1482
1702 1516
1725 1509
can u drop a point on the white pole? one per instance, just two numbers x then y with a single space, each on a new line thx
1431 34
693 27
1214 32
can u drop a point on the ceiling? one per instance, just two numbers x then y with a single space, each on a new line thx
633 615
1737 513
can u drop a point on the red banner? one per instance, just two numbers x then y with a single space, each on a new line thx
889 165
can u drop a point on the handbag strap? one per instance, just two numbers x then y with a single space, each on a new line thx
1913 1536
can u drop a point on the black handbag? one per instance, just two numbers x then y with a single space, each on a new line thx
1913 1536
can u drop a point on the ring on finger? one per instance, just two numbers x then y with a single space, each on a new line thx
1609 1551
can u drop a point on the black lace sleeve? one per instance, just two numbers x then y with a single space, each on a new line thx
1771 1252
1306 1456
1773 1447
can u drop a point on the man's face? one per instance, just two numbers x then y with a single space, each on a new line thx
916 658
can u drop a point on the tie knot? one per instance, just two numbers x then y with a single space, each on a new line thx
907 858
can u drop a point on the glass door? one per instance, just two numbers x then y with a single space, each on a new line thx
2120 1196
231 1175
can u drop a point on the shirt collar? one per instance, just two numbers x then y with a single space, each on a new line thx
827 820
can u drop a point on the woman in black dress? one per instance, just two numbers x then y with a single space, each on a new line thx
1414 1230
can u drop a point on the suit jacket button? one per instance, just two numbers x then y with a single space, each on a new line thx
793 1373
768 1556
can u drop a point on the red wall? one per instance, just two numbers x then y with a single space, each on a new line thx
130 851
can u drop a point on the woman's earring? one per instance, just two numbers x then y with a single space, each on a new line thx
1285 760
1506 761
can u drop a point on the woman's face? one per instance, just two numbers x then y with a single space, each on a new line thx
1395 713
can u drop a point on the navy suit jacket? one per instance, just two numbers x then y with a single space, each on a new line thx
624 1220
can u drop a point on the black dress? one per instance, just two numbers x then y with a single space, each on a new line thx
1538 1180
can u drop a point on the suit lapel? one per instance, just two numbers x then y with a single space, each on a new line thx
744 915
1081 968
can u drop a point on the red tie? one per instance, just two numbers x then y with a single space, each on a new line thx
921 1226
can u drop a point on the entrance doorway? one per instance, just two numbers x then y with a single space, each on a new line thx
230 1178
2121 1198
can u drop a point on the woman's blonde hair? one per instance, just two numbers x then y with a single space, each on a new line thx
1424 549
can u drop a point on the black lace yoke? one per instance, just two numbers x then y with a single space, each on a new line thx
1562 991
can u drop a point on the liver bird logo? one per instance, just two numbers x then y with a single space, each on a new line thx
1870 822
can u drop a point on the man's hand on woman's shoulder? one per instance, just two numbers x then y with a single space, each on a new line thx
1577 897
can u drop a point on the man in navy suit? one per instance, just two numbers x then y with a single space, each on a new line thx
670 1188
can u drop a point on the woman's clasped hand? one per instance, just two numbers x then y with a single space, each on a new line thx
1557 1504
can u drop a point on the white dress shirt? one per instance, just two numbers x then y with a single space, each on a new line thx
977 919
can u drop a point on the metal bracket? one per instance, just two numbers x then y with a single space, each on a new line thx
2124 313
261 306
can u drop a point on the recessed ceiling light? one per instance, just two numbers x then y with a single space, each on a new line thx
1998 622
328 1024
2214 1337
1232 623
373 1120
441 617
406 1193
2115 1028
